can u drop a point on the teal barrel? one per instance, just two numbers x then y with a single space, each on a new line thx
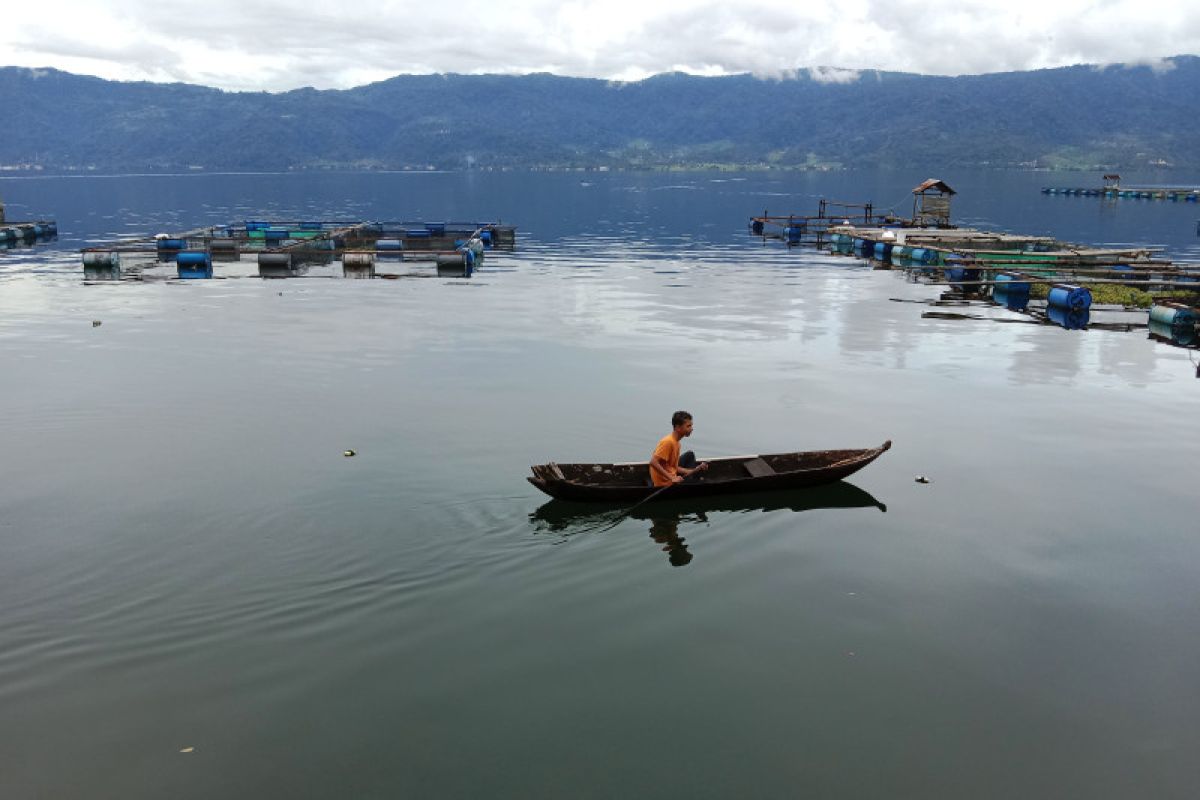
1173 314
924 255
101 265
274 265
459 264
358 265
224 249
1064 295
1183 336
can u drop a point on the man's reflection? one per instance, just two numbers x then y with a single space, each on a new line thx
664 530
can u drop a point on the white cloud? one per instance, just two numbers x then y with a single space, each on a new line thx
276 45
833 75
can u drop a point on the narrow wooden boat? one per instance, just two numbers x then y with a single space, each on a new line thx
630 481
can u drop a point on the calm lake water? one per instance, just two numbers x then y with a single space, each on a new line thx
201 597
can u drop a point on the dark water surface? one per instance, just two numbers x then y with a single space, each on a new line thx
188 561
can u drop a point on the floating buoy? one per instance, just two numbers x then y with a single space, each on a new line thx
95 323
348 453
922 479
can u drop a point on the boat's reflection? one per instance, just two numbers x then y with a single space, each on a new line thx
667 516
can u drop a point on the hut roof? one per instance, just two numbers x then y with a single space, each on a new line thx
934 183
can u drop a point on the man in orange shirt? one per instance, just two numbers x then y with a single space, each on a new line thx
667 466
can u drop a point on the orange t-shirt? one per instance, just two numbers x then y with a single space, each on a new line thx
668 451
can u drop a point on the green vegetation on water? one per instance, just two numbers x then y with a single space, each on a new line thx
1117 294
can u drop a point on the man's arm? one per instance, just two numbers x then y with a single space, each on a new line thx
659 465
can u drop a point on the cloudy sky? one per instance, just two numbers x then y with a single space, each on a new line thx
274 45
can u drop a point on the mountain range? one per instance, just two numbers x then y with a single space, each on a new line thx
1080 117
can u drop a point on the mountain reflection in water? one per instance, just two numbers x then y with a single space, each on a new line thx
665 517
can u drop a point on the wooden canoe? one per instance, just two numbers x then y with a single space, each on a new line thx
630 481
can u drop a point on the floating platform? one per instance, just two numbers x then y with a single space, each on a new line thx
1177 193
1112 189
287 248
955 246
14 234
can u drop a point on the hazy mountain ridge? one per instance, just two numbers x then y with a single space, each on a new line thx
1080 116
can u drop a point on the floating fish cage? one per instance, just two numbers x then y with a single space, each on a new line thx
1173 193
286 249
16 234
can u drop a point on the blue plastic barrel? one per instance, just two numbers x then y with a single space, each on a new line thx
1014 301
1013 282
1064 295
883 251
1073 319
257 226
417 233
436 228
194 264
390 249
275 235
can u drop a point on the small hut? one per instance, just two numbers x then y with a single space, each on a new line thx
1112 181
931 204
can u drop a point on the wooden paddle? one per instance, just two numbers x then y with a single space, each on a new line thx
645 499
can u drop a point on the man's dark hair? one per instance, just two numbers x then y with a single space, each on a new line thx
679 417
